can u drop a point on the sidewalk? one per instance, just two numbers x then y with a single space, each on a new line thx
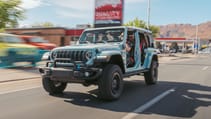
7 75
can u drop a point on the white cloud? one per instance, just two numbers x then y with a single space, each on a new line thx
30 4
81 9
71 9
76 14
86 4
135 1
103 2
75 4
78 9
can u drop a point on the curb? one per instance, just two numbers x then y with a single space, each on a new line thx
19 79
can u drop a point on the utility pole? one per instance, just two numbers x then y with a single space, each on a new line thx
148 14
196 39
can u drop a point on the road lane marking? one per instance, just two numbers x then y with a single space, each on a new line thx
205 68
148 104
12 91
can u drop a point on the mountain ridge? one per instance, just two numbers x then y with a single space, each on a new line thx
188 31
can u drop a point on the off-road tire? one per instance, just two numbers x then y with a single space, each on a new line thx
111 83
10 58
151 76
53 87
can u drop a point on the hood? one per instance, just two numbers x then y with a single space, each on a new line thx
101 47
23 49
46 46
17 45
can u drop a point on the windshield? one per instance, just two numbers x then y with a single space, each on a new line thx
102 36
38 40
12 39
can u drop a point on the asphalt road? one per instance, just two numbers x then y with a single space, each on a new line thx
183 91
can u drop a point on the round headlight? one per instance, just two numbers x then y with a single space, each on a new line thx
53 55
46 56
88 55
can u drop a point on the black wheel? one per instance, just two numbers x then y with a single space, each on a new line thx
151 76
33 63
11 56
53 87
111 83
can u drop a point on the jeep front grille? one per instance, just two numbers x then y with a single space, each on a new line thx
68 56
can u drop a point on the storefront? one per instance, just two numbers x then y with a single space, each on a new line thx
164 44
74 35
60 36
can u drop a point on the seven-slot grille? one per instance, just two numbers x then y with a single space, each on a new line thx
68 56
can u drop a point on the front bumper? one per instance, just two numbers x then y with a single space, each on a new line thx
71 74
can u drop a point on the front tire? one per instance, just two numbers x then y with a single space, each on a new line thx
111 83
53 87
10 58
33 63
151 76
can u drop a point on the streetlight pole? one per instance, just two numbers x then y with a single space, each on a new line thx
196 39
148 14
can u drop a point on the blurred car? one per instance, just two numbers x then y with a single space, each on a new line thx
12 49
205 51
158 51
173 50
39 42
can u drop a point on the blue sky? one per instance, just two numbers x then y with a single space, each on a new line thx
68 13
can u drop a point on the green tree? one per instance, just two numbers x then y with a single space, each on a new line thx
141 24
1 30
10 13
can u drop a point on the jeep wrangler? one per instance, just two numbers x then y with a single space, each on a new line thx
103 57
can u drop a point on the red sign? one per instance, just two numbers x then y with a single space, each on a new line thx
108 12
108 15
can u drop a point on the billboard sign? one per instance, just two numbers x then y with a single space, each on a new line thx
108 13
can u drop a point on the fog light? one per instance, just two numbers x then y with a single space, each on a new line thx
41 70
86 74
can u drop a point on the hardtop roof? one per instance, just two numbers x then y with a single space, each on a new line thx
117 27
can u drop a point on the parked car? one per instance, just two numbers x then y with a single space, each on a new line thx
157 51
12 49
205 51
39 42
103 57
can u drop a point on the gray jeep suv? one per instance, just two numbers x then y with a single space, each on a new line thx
103 57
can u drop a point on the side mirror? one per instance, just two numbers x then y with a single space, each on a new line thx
46 56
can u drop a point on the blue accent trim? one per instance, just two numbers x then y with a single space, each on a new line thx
78 67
